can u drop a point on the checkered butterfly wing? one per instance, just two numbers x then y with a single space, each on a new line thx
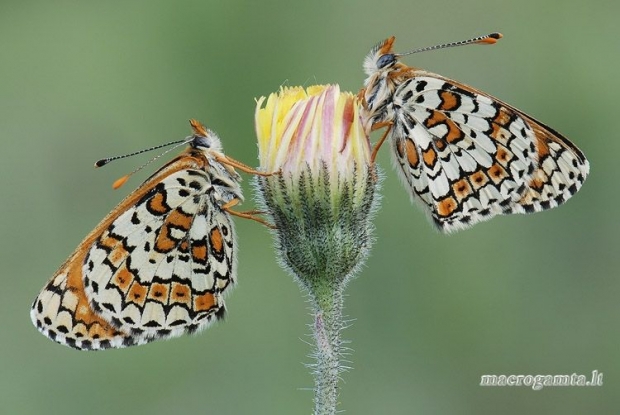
467 156
464 155
155 267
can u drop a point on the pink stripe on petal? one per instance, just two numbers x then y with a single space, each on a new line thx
299 137
329 126
347 121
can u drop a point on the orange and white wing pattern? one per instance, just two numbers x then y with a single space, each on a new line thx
465 155
157 266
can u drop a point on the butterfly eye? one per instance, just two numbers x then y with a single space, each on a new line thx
385 60
201 142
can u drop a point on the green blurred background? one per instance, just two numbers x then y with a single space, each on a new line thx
516 295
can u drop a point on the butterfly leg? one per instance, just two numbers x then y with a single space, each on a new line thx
250 214
375 149
241 166
362 97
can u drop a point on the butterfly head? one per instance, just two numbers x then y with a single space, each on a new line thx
381 58
203 138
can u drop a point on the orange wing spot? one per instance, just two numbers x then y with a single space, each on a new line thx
541 146
159 292
446 206
430 157
118 255
184 246
537 184
164 243
123 279
449 101
440 144
204 302
199 253
157 204
503 155
462 189
436 118
181 293
498 133
502 120
478 179
454 132
215 238
497 173
137 293
412 153
179 219
108 242
503 117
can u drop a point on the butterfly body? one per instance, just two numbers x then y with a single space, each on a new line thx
157 266
464 155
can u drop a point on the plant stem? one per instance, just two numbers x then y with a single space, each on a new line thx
327 309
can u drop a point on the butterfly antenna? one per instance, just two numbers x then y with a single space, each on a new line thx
121 181
103 162
489 39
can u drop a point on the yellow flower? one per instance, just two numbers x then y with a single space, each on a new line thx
306 130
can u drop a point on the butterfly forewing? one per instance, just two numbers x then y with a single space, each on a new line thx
465 155
473 157
156 267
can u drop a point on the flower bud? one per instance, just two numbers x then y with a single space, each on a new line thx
323 199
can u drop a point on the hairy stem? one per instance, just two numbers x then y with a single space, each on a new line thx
327 309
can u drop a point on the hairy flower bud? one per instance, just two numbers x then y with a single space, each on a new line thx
323 200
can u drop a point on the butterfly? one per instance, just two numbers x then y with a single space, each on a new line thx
464 155
159 264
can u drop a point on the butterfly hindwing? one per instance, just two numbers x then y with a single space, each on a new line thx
157 266
62 312
159 269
